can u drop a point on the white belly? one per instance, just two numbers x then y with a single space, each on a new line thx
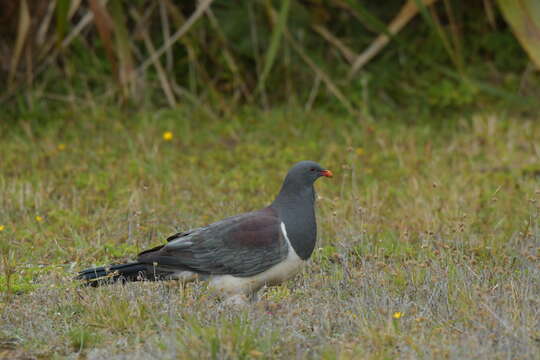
232 285
229 285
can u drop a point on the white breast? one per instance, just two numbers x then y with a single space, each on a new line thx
278 273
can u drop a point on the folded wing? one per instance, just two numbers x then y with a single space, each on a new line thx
244 245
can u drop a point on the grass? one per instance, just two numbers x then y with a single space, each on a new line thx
437 222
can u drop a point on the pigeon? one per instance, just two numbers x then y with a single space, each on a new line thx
240 254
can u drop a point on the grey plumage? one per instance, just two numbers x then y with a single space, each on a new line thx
245 246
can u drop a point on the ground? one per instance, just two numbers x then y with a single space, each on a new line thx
429 235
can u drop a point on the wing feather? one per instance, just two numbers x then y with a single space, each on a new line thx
243 245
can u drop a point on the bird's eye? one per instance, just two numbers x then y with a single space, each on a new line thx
312 169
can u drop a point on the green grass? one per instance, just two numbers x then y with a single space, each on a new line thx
440 223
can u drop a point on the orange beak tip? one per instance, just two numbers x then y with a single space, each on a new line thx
327 173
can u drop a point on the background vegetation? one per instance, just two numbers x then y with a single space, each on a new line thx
426 112
440 56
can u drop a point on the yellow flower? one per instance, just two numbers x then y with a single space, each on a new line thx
359 151
39 218
2 227
61 147
397 315
167 135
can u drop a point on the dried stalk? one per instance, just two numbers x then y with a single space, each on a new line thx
407 12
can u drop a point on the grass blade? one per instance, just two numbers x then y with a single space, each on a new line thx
370 21
122 38
203 5
347 53
407 12
44 26
157 64
320 73
524 19
23 31
104 26
275 40
433 22
62 10
166 31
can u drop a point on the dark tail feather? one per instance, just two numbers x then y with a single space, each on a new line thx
134 271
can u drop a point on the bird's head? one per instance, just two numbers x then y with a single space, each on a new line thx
306 172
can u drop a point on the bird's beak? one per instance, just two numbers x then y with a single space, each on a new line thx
327 173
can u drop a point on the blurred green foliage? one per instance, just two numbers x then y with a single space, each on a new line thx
453 56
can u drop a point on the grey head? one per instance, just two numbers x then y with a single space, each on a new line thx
295 205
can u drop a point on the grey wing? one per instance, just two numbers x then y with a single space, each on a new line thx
243 245
182 234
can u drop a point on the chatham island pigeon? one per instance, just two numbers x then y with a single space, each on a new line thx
237 255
